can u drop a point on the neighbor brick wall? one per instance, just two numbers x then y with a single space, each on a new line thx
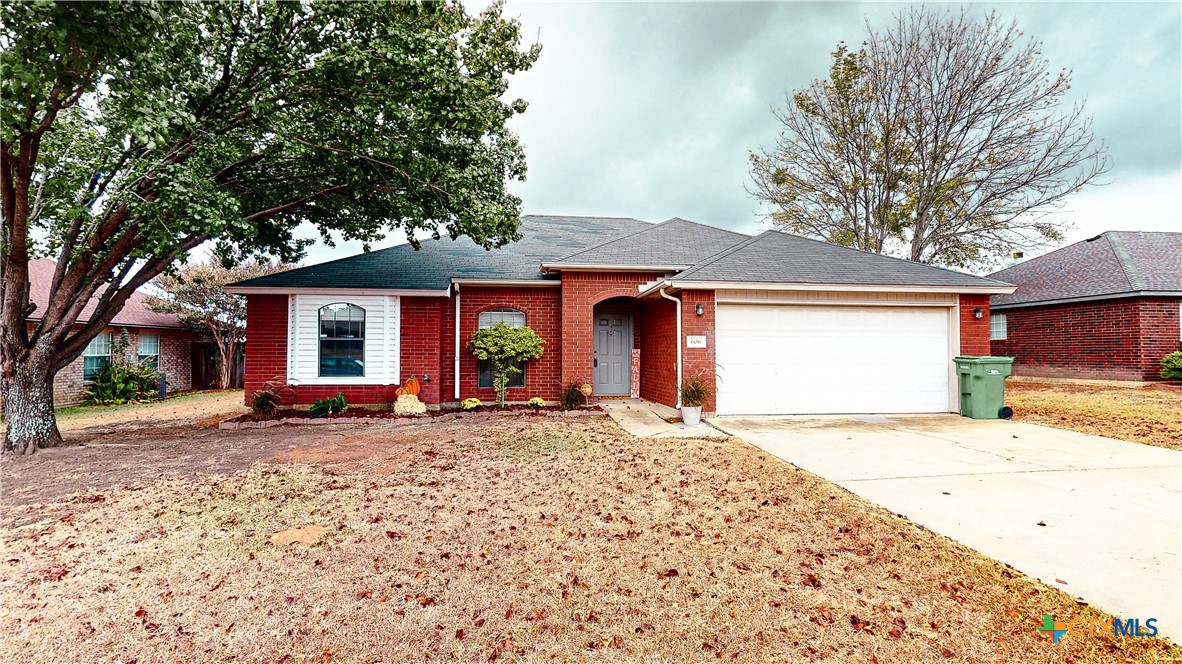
175 359
542 314
1119 339
581 291
266 341
974 332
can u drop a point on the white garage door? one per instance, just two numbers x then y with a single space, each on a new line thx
797 359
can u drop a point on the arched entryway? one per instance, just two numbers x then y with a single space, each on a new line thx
614 335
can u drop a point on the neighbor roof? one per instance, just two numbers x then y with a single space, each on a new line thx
135 312
673 243
776 257
1112 264
439 261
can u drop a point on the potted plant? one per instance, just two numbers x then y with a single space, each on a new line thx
693 394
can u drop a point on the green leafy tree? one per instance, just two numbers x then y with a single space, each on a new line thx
943 140
195 293
503 346
133 132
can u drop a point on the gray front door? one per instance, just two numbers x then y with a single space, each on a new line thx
613 353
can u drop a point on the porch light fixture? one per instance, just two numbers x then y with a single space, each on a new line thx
700 310
977 313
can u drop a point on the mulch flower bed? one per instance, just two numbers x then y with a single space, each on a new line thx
296 416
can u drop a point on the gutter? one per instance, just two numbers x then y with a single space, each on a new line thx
457 354
650 289
283 290
678 302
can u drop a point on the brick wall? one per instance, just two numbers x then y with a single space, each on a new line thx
421 344
699 361
974 332
1120 339
541 306
656 334
581 291
175 360
266 340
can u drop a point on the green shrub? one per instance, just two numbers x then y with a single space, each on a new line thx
328 406
571 397
471 403
503 346
537 402
1171 366
123 380
694 392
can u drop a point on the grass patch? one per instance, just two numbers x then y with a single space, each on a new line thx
535 444
1151 415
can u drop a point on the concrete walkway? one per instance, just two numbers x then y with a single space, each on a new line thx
1098 518
640 419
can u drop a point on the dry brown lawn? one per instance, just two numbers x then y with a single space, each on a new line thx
518 538
1150 415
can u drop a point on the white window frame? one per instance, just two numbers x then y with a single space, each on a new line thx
139 343
92 351
998 327
320 338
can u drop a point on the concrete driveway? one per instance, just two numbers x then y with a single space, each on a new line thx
1112 510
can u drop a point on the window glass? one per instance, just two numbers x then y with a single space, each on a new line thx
149 348
487 319
96 356
997 326
342 340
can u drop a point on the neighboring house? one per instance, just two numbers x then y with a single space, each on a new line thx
773 323
1107 307
154 337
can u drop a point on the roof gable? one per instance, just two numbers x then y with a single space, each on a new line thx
777 257
673 243
1111 264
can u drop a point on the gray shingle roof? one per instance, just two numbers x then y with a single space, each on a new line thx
544 238
776 257
1112 263
676 242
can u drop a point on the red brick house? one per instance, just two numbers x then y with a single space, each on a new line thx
1106 307
153 337
773 323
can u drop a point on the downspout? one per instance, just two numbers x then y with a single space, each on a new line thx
670 297
457 367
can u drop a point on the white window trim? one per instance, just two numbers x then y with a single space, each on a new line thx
1004 325
140 340
392 333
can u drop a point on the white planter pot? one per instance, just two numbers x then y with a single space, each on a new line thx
691 416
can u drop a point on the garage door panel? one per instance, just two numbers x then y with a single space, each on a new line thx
788 359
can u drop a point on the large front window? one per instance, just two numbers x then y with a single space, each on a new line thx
487 319
96 356
342 340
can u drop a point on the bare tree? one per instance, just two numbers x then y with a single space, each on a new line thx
942 140
196 295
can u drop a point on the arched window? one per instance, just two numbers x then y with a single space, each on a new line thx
487 319
342 340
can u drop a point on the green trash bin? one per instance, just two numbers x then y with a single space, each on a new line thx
982 387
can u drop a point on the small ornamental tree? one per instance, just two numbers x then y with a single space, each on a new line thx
503 347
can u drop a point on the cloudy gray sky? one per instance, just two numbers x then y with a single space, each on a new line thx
648 110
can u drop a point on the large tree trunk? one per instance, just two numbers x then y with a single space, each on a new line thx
28 408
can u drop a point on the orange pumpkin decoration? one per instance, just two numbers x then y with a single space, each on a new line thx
412 386
400 391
